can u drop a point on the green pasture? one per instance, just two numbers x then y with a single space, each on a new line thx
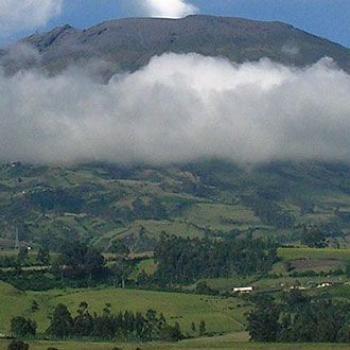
234 341
221 315
290 254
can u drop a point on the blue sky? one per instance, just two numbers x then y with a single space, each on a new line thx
327 18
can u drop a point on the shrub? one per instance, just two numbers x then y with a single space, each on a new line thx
18 345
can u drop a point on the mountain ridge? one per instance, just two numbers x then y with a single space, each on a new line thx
129 43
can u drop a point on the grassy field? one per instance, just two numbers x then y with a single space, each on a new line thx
148 265
221 315
228 342
290 254
221 217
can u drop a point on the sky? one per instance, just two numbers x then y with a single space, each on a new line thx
326 18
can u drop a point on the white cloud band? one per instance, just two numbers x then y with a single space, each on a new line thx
178 108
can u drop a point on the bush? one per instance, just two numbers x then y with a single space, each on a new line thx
21 327
18 345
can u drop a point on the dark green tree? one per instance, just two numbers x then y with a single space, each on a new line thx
119 248
23 255
78 261
61 323
83 322
313 237
35 306
22 327
43 256
263 321
202 328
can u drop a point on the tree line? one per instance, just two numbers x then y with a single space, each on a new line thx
184 260
124 326
299 318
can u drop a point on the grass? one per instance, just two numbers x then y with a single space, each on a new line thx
221 315
290 254
235 341
155 228
147 265
221 217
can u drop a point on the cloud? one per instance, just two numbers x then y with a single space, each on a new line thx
168 8
178 108
18 15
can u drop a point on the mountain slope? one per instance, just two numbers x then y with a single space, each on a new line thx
100 203
128 44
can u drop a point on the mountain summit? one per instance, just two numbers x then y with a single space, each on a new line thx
128 44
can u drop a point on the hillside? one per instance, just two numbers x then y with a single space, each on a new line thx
127 44
103 202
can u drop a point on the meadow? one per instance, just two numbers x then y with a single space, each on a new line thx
222 315
227 342
290 254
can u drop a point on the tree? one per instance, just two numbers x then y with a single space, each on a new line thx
171 333
105 325
263 323
22 327
119 248
83 323
43 256
23 254
35 306
184 260
202 328
121 270
313 237
78 261
176 333
61 322
203 288
143 278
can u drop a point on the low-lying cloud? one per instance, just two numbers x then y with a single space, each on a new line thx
168 8
178 108
17 15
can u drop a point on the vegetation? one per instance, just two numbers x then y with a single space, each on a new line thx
219 314
185 260
21 327
101 204
299 318
18 345
107 326
195 232
220 342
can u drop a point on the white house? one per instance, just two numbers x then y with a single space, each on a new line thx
243 290
325 284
